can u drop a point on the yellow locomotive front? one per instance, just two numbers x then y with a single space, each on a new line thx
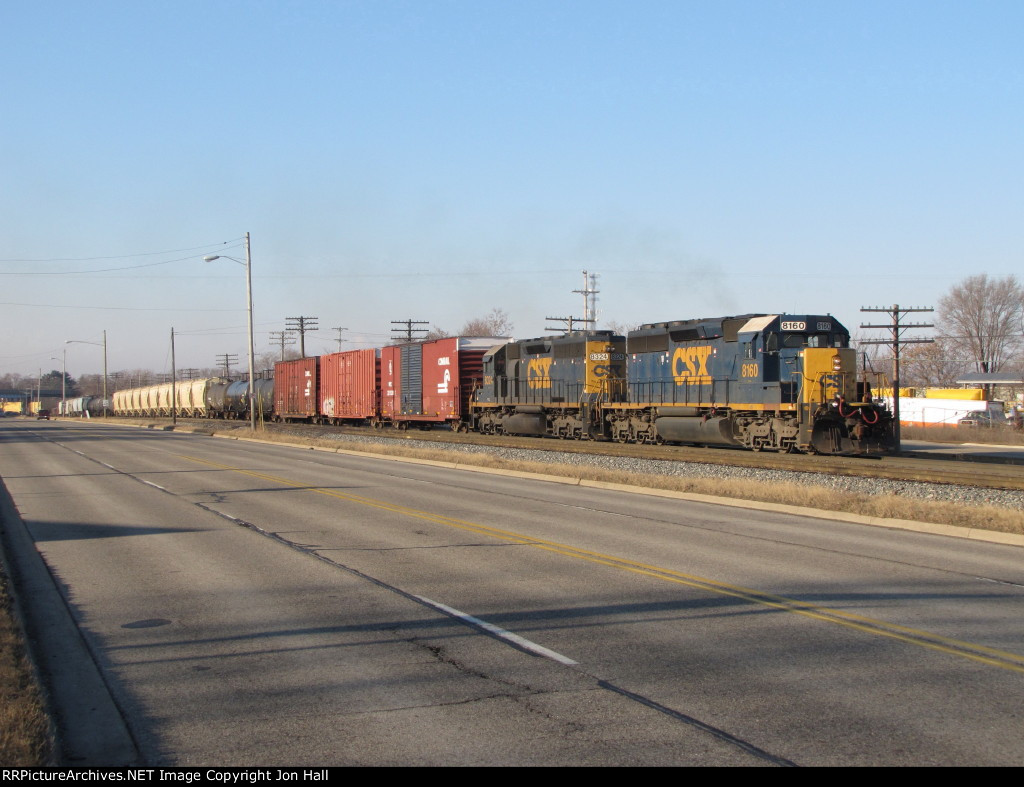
838 414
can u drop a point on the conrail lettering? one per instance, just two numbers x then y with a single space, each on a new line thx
538 373
690 365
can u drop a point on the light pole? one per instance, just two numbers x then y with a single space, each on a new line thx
63 381
98 344
247 262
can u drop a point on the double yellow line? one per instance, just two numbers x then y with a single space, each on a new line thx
979 653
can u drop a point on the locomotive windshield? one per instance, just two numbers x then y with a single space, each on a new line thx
772 341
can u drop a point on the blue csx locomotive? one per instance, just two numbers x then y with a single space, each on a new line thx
759 381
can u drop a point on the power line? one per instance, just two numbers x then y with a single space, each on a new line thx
124 256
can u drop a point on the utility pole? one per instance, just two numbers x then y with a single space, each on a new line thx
896 329
569 323
300 325
227 361
282 338
339 330
409 330
174 389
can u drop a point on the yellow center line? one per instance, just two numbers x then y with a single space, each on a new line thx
979 653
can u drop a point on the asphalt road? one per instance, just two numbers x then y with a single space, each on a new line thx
253 604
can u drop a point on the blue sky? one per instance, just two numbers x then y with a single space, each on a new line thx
433 160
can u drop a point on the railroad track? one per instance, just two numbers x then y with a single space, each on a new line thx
898 468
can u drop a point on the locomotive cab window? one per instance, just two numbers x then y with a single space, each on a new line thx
827 340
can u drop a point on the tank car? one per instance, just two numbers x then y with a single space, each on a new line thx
553 385
236 399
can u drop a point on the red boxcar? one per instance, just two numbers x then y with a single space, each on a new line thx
297 389
349 386
431 382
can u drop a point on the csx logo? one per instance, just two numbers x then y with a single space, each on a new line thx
690 365
538 373
833 385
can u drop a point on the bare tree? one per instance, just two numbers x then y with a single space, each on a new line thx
981 318
497 323
936 365
436 333
616 327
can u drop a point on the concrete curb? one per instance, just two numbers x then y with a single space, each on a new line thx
90 730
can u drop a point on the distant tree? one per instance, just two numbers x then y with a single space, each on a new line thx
981 318
937 365
497 323
51 381
435 333
92 385
618 327
264 361
16 382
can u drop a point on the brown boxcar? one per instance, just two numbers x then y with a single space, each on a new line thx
297 389
349 385
431 382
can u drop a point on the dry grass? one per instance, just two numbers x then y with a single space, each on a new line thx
982 517
24 726
957 434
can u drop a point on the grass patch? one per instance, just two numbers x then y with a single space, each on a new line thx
963 434
982 517
24 726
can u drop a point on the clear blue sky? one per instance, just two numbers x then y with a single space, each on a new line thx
431 160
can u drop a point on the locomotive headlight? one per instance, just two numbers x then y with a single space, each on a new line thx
837 363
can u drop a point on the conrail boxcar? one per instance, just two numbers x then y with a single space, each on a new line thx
431 382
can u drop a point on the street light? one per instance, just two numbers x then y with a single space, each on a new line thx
98 344
247 262
63 381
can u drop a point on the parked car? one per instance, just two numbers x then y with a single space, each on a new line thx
43 415
983 419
